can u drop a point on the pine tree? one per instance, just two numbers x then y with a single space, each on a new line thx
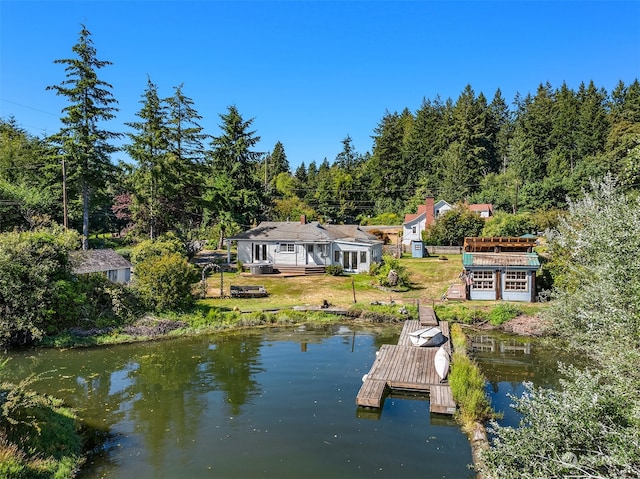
274 163
84 145
149 148
233 156
564 156
186 160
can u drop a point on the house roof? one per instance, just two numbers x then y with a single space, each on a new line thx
312 232
422 211
481 207
440 204
385 228
519 260
96 261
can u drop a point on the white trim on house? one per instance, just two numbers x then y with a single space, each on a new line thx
309 244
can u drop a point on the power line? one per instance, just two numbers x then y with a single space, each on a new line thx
29 107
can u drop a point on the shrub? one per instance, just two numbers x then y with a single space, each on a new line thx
460 313
164 281
389 263
153 248
334 270
35 279
35 426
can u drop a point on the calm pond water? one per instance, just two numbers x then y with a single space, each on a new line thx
267 404
506 361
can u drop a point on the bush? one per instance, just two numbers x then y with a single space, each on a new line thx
334 270
153 248
460 314
389 263
35 282
165 281
38 435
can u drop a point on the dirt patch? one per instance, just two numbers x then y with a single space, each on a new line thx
525 325
152 327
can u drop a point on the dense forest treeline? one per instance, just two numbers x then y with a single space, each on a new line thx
527 157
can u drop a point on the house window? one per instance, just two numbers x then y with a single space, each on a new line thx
483 280
287 248
414 229
363 256
336 256
310 248
112 275
516 281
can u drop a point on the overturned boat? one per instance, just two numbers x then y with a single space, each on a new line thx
431 336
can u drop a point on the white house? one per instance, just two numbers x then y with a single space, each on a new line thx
415 224
308 246
106 261
485 210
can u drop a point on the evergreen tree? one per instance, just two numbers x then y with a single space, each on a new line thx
427 139
623 141
348 158
274 165
390 174
564 132
473 130
593 122
149 148
186 160
84 144
233 156
324 199
502 129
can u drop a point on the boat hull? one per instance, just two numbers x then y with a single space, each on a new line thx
427 337
441 363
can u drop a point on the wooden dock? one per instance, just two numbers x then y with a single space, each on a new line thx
405 367
427 316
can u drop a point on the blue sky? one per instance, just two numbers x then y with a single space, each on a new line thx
311 72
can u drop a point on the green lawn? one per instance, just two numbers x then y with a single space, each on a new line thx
430 278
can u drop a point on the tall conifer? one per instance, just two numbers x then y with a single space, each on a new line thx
83 143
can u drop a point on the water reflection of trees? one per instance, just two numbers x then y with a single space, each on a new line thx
173 383
162 388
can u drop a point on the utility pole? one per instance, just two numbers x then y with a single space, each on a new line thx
266 160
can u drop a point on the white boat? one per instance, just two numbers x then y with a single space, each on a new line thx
441 362
431 336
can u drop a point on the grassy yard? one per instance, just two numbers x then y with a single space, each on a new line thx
430 278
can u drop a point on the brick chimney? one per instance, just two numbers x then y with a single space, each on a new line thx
303 219
430 210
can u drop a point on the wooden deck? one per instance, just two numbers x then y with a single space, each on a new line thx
405 367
